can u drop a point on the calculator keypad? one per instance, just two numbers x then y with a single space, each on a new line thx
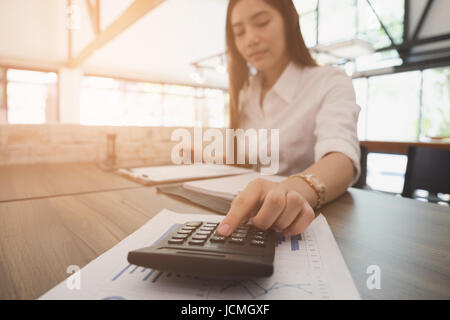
197 233
196 248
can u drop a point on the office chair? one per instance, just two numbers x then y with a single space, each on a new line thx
427 169
361 183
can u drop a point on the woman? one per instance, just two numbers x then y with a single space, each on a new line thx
313 107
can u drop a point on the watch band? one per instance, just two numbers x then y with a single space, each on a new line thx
316 185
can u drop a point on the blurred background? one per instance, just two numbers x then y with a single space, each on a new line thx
124 66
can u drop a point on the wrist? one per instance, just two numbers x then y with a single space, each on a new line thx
316 188
302 187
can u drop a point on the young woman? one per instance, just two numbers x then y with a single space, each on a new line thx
313 107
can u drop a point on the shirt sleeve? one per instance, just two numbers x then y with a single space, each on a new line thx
336 121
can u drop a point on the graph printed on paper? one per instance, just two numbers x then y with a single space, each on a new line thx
295 258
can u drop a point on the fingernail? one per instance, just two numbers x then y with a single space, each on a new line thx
223 229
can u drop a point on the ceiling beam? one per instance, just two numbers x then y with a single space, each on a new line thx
132 14
97 20
418 42
422 19
94 15
412 66
69 34
386 31
406 22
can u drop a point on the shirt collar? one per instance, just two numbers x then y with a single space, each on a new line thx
285 87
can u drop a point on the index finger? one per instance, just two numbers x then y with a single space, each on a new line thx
240 209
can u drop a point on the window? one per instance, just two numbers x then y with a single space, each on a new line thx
307 10
308 26
144 104
215 108
386 172
337 20
391 13
334 20
435 116
393 107
101 101
179 110
360 86
3 110
106 101
31 96
330 21
404 106
305 6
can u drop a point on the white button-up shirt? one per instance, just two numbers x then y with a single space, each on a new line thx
315 110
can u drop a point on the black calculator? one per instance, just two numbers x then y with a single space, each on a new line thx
195 248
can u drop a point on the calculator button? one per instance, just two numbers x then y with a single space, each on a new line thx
216 234
188 228
176 241
180 236
236 240
197 242
256 237
207 228
203 233
218 239
184 231
211 224
259 243
193 224
239 234
199 237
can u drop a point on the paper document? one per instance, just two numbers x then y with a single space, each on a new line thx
308 266
228 187
158 174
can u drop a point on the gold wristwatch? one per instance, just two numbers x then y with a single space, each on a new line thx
318 187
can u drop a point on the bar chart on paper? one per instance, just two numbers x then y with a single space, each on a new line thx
301 270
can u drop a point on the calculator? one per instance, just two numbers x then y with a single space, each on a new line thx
195 248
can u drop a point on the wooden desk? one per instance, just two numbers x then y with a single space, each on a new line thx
39 238
408 239
43 180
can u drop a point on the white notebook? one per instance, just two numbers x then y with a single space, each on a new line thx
228 187
172 173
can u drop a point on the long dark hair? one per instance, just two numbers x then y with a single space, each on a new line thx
238 69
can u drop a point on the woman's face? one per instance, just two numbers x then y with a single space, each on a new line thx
259 33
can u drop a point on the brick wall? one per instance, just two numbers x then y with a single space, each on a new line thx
23 144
